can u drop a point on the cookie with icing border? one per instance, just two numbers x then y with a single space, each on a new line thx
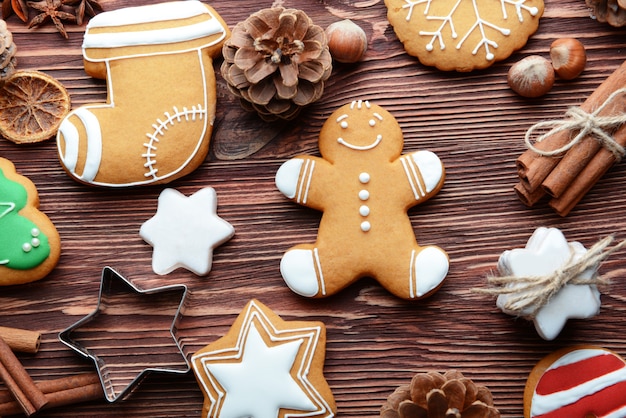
156 123
463 35
30 245
265 367
577 382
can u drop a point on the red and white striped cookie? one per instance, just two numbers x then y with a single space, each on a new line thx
577 382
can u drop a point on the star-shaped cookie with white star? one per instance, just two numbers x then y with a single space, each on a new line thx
265 367
185 231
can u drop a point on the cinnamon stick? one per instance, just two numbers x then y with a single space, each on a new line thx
529 198
59 392
534 168
18 381
21 340
588 177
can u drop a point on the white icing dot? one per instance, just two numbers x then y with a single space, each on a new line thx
364 210
35 242
429 47
534 11
365 226
372 122
364 178
35 232
489 56
364 195
26 247
344 124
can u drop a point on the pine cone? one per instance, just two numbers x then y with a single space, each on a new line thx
612 12
8 62
276 62
433 395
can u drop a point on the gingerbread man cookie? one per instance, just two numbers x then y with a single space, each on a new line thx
30 245
364 187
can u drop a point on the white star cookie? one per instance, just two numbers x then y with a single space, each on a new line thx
185 230
265 367
546 251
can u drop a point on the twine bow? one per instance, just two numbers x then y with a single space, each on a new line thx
535 292
587 124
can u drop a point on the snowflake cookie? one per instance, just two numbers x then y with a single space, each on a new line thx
463 35
265 367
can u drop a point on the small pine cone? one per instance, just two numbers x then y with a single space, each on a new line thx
612 12
435 395
8 62
276 62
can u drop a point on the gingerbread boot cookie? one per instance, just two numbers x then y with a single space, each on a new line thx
156 124
364 187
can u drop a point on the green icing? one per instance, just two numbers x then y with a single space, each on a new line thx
22 245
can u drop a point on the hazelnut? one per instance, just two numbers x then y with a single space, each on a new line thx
532 76
347 41
568 57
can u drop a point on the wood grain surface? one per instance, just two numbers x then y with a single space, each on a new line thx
375 341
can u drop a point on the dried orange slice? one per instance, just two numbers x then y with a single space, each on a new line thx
32 106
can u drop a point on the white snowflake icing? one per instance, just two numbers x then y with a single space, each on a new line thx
481 25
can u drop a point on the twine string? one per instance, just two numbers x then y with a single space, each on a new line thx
535 292
587 124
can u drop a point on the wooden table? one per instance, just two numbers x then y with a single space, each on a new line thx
375 341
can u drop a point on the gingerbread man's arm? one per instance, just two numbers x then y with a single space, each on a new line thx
424 172
296 179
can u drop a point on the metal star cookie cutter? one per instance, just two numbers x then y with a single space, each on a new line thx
135 346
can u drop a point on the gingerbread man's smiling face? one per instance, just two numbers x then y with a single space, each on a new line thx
360 128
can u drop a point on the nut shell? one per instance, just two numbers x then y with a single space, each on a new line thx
568 57
532 76
347 41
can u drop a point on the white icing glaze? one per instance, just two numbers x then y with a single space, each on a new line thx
185 230
542 404
546 251
260 384
428 269
262 356
430 168
298 268
372 145
173 10
286 178
94 143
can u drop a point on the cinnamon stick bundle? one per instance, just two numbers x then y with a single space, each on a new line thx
568 176
59 392
19 382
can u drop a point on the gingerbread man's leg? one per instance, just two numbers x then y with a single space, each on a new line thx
302 271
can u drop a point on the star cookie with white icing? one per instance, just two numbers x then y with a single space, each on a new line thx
185 230
265 367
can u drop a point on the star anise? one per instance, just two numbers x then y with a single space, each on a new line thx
50 9
84 7
19 7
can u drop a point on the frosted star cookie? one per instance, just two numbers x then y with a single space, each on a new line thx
265 367
185 230
463 35
577 382
364 187
30 245
157 121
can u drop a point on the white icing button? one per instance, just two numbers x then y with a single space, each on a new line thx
365 226
364 178
344 124
364 195
364 210
26 247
